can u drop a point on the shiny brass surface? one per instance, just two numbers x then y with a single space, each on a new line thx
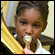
6 36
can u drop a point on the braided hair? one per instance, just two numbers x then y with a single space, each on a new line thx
41 6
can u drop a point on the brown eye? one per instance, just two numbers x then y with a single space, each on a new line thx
23 23
36 26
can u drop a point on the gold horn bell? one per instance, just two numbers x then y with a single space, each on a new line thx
6 36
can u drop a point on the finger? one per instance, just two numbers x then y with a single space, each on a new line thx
27 51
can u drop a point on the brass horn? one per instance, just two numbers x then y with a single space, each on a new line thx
6 36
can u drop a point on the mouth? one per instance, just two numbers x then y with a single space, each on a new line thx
24 43
27 38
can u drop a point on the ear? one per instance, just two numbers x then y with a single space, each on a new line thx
15 19
44 26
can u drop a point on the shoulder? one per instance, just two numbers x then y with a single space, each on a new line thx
45 51
40 49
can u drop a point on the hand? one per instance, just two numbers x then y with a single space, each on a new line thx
26 51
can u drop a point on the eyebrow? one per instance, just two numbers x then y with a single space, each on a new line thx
23 19
38 22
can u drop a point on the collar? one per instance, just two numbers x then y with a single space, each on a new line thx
39 47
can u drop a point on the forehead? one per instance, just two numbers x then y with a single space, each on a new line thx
31 15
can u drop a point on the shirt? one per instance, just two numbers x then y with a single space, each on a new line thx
40 49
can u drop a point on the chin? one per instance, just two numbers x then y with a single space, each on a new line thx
33 41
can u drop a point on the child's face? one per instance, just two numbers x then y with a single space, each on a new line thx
29 23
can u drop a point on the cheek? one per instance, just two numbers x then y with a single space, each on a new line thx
37 33
19 29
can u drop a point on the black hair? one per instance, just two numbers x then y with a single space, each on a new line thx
41 6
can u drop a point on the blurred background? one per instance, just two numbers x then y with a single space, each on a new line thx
9 13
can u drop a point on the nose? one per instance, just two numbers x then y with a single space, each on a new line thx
29 30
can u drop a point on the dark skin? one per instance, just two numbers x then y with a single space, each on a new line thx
31 23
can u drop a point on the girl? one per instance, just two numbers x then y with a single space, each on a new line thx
31 19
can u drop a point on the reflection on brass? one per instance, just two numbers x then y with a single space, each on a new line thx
3 4
6 36
27 39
